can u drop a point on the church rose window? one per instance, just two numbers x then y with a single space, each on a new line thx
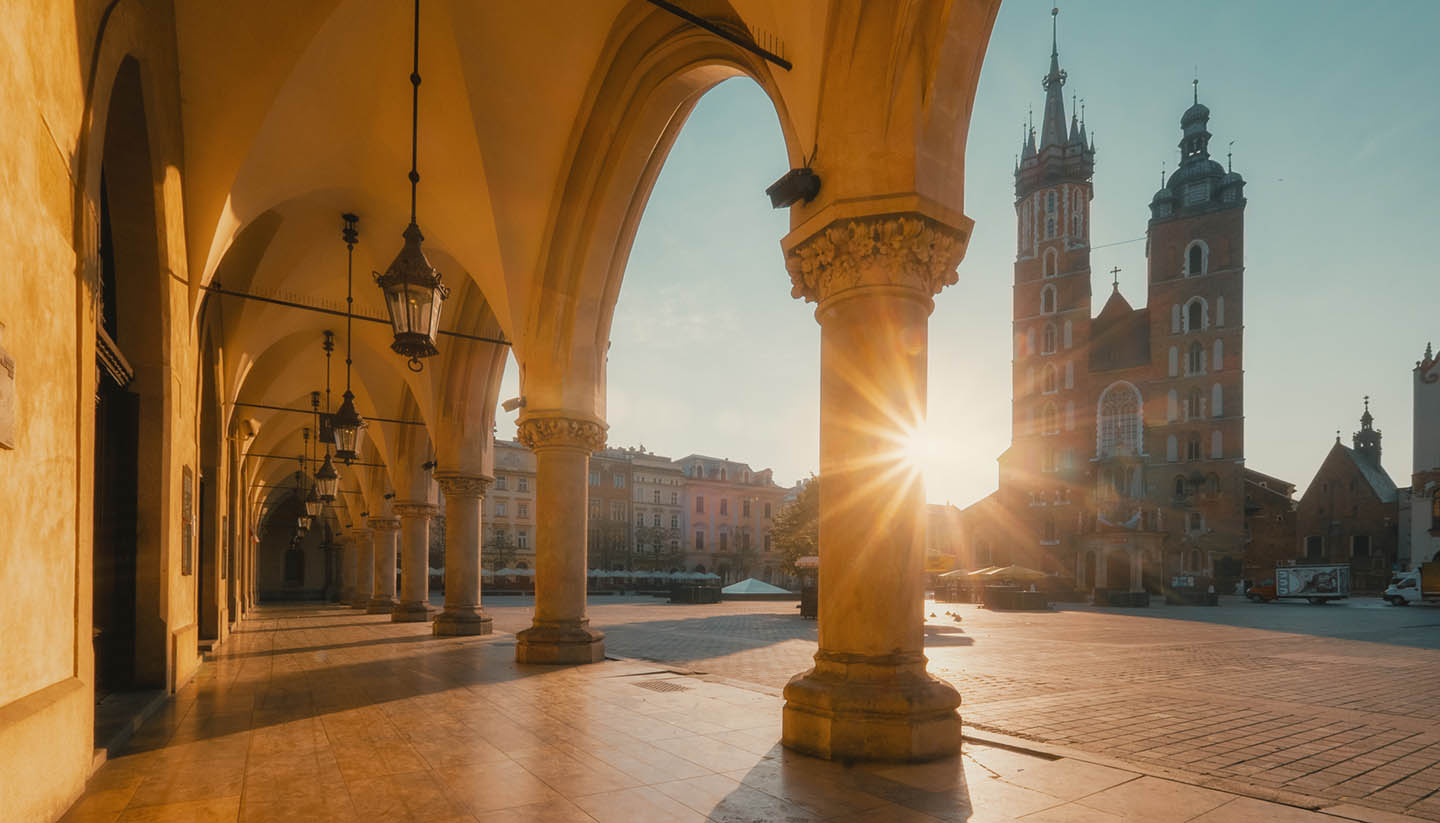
1119 424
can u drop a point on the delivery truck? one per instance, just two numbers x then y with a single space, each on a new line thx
1315 583
1419 586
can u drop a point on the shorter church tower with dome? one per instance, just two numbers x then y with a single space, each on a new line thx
1126 467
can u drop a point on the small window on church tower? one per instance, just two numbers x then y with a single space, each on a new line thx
1047 300
1197 258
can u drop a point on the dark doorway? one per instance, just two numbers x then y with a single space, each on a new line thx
117 433
1117 570
1087 572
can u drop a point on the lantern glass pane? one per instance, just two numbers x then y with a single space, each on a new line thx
418 300
395 305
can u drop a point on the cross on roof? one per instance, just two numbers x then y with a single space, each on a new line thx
1115 278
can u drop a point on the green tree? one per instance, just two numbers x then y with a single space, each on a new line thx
797 527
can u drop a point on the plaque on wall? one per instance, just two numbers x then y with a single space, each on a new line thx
187 522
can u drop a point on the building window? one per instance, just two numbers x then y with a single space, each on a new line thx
1194 405
1048 380
522 538
1119 424
699 504
744 508
522 509
1314 547
767 511
1172 449
1197 315
1047 300
1218 361
522 483
724 541
1360 545
657 495
499 482
1195 361
767 542
639 518
674 521
500 508
594 478
1197 258
655 520
1217 445
724 505
1050 420
1192 448
674 498
1180 486
1194 522
618 480
1050 265
594 509
1069 334
699 541
1047 340
617 511
1050 209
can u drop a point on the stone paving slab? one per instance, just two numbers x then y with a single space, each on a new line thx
1336 703
316 714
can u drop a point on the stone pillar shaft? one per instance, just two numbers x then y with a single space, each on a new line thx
382 596
414 605
364 568
561 632
868 696
349 569
463 613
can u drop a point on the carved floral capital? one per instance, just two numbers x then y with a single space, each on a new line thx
561 432
415 509
463 485
906 250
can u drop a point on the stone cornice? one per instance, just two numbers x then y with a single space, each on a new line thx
901 250
415 509
560 432
382 524
462 485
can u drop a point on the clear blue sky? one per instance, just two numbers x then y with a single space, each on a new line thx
1332 107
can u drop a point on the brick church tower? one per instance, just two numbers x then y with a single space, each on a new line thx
1126 461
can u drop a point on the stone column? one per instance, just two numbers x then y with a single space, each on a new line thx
869 696
349 569
561 632
364 568
1102 568
1137 570
463 614
414 605
382 595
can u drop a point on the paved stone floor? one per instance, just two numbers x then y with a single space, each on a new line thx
326 714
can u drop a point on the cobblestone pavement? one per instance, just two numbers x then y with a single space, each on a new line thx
1340 703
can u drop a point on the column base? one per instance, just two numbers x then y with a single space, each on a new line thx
451 623
878 708
411 611
378 605
560 643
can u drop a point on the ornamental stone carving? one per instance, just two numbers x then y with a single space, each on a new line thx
894 250
561 432
409 509
382 524
463 485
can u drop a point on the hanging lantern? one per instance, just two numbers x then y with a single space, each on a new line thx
303 523
327 481
412 287
349 429
413 295
312 503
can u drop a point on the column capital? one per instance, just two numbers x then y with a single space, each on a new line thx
382 524
455 484
559 430
906 250
361 535
415 508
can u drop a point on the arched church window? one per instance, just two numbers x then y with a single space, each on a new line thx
1172 407
1217 445
1194 408
1050 419
1119 421
1195 363
1047 300
1047 340
1197 258
1174 362
1219 359
1069 334
1195 315
1217 399
1192 448
1050 263
1047 378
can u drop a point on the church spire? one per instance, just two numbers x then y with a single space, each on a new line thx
1052 126
1367 440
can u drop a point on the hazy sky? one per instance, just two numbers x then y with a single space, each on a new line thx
1332 107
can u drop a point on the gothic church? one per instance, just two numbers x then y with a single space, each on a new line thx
1126 461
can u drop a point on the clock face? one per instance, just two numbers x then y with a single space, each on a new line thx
1197 193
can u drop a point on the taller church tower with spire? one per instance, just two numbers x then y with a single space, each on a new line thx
1126 463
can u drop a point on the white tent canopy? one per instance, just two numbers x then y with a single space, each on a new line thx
752 586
